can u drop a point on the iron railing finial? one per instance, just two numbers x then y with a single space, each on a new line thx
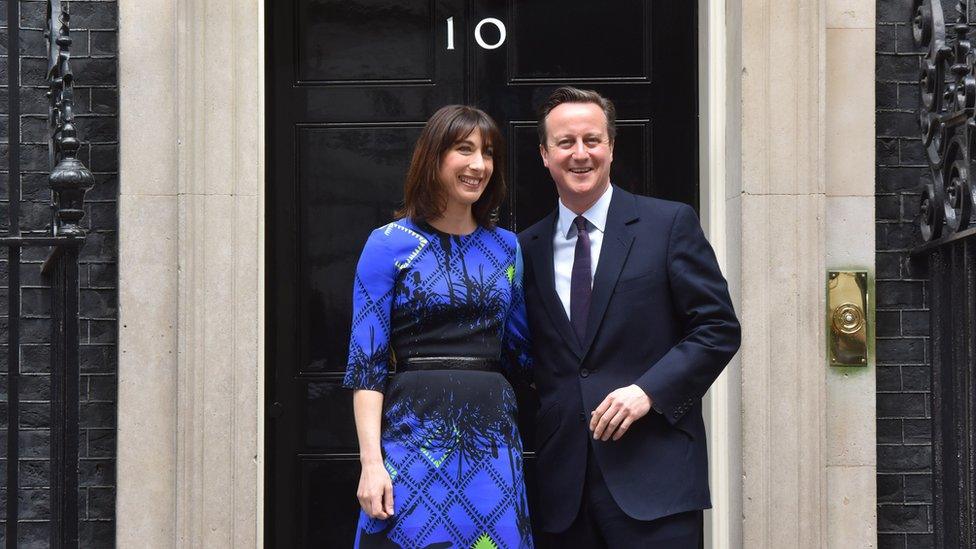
69 179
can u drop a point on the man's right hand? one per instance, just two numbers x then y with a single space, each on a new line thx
375 491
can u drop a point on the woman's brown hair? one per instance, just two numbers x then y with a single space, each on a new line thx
423 193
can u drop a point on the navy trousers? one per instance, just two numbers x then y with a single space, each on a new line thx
601 524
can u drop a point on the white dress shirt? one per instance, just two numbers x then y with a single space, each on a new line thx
564 243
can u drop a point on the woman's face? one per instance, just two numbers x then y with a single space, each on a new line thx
465 169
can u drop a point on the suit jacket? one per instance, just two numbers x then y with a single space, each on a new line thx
661 318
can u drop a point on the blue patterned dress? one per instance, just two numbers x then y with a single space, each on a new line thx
449 437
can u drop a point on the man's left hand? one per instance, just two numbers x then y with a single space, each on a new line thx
618 411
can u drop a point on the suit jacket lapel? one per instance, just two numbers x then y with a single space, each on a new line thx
617 240
542 264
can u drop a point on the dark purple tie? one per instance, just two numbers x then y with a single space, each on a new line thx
580 285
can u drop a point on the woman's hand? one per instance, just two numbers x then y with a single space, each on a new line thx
375 491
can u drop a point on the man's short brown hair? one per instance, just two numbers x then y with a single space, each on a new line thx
569 94
424 196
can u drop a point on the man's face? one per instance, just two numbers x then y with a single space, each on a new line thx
578 153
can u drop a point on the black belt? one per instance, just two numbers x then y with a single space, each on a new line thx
418 363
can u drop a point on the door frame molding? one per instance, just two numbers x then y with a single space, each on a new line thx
721 405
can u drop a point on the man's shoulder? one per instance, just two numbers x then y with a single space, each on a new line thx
659 206
538 229
656 215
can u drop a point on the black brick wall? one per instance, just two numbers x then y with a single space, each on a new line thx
905 513
94 30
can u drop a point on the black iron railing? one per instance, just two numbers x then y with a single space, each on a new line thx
947 93
69 180
947 119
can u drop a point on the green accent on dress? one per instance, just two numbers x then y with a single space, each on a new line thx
390 469
447 453
510 273
484 542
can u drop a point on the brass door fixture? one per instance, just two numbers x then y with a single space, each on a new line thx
847 318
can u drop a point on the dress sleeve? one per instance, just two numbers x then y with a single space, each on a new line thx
372 299
516 342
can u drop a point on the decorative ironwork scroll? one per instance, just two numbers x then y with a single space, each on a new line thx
947 101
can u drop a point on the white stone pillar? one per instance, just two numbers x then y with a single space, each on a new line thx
191 368
776 217
148 284
850 159
801 200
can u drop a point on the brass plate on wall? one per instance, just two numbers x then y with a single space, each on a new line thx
847 318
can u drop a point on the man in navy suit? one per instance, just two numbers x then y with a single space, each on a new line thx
631 323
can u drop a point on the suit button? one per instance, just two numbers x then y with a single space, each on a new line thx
584 372
582 417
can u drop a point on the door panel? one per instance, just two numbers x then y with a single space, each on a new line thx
350 85
352 41
349 182
327 504
546 46
327 419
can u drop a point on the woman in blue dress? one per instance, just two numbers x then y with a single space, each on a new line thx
438 297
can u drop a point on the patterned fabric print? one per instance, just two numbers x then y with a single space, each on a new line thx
449 438
515 352
430 410
455 504
372 297
451 446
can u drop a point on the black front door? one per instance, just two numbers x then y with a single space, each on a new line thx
350 84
